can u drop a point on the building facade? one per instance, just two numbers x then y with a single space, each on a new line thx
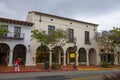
109 54
16 43
82 48
80 33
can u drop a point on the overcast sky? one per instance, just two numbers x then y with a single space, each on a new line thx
106 13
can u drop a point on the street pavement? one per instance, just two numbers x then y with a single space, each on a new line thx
38 78
58 75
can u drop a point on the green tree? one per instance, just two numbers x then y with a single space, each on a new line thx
54 38
3 30
41 37
105 40
116 35
57 37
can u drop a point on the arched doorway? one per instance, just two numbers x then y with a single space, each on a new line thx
82 56
4 54
42 54
57 55
92 56
69 53
19 52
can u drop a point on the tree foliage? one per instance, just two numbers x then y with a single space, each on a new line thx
116 35
105 41
54 38
3 30
40 36
58 37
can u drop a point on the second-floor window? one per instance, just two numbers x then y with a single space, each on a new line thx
17 32
50 29
71 35
87 37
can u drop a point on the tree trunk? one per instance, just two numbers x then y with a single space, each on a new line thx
106 57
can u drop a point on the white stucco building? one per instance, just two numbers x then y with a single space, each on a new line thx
15 44
87 48
18 42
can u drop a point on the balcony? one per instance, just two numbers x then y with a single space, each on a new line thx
88 42
12 35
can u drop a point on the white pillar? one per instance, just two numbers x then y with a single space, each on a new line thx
77 59
50 59
68 59
10 58
87 59
29 61
98 59
64 59
59 57
116 59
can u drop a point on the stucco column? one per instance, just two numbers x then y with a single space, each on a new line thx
87 59
10 58
77 59
59 57
68 59
50 59
64 59
116 58
28 62
98 59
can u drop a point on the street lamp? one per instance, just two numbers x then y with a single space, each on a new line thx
75 49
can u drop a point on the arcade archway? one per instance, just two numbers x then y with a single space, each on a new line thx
4 54
92 56
19 52
42 54
57 55
82 56
69 53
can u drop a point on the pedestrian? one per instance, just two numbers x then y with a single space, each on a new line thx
17 64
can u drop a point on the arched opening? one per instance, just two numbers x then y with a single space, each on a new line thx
70 55
57 55
107 57
42 54
82 56
92 56
19 52
4 54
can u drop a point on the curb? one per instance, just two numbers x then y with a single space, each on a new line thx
79 69
35 71
97 69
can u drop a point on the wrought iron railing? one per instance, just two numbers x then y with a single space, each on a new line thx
13 35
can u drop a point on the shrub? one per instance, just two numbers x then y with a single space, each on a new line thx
56 66
106 65
114 76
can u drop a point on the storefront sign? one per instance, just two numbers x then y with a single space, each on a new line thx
72 55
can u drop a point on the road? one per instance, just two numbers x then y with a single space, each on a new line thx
58 75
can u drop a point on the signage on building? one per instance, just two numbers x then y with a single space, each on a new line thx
72 55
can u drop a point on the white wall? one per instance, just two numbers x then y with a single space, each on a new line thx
13 42
79 29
